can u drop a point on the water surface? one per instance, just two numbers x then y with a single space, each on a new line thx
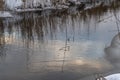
60 45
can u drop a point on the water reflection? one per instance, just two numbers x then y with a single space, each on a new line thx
56 44
112 52
2 41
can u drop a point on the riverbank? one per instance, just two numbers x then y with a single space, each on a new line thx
37 5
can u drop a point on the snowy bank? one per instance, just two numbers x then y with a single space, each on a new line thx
113 77
39 5
109 77
32 4
5 14
12 4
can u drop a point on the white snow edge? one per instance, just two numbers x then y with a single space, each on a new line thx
113 77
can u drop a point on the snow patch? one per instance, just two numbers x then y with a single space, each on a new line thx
12 4
113 77
4 14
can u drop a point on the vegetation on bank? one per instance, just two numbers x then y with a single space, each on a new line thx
30 4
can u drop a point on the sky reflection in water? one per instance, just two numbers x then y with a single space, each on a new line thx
64 46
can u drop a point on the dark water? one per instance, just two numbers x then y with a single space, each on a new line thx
60 45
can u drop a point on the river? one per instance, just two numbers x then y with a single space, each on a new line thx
60 45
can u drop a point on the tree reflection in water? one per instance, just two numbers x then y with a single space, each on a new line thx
112 52
2 41
35 29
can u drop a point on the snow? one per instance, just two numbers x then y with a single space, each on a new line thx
72 0
32 4
4 14
12 4
34 9
113 77
38 9
37 3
